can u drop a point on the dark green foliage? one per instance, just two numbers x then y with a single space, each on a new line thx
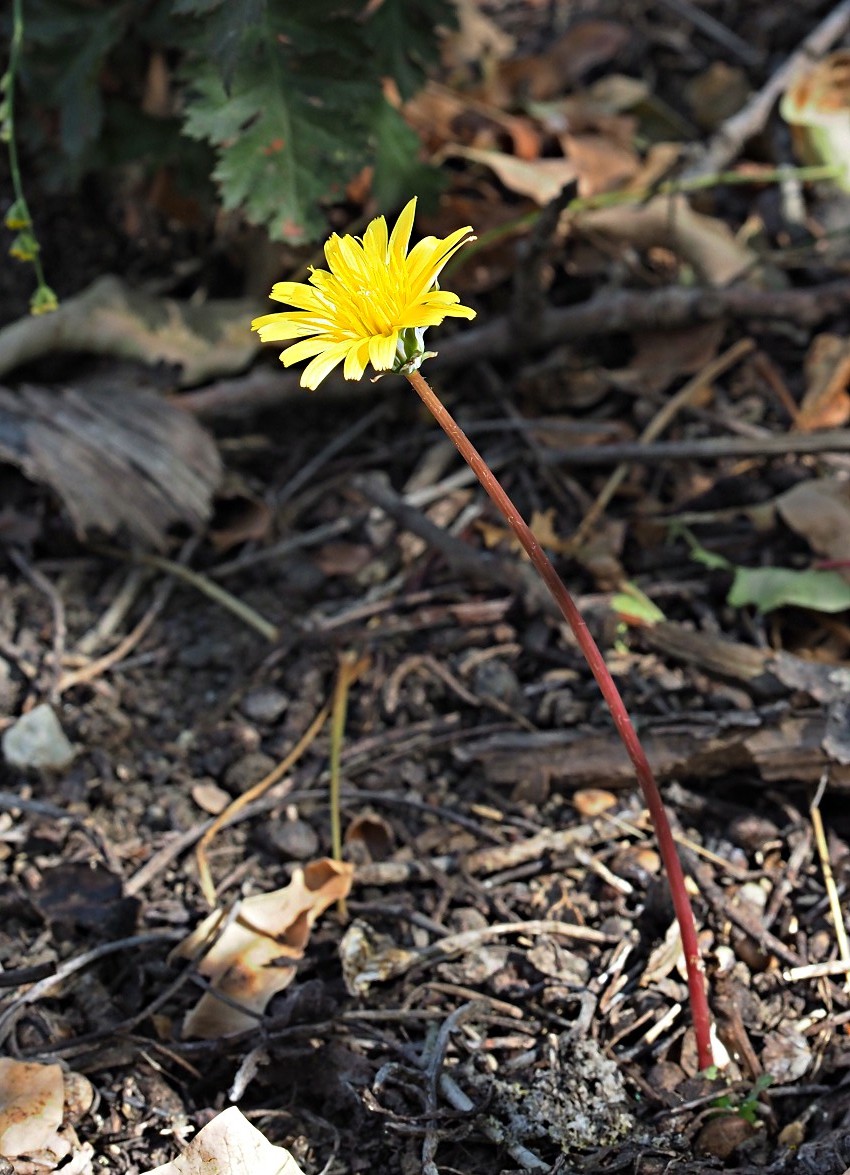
287 95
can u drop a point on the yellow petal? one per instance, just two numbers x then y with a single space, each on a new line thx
356 360
375 239
382 351
400 238
323 364
303 350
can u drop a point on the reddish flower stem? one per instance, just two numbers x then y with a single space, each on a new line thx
700 1014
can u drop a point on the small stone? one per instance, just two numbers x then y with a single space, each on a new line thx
294 839
248 770
37 741
265 704
495 679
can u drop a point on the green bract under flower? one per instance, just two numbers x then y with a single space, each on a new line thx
372 307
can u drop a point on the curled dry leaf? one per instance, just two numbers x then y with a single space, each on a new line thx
368 957
256 952
826 403
705 243
666 957
817 108
230 1145
539 179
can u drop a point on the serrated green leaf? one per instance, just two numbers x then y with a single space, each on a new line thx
225 28
288 135
769 588
403 38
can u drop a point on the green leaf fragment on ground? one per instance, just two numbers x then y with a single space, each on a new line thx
768 588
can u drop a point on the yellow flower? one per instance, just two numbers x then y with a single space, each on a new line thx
373 306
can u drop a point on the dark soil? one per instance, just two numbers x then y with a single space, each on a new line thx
483 784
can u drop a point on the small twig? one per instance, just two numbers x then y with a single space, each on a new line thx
455 1096
13 1011
608 312
205 876
718 32
829 879
341 441
433 1061
351 667
665 416
709 449
60 628
201 583
94 669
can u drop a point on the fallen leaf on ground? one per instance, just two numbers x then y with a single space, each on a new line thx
539 179
230 1145
666 957
476 39
705 243
256 953
368 957
716 94
662 356
601 163
33 1129
117 458
819 511
587 45
826 402
111 318
768 588
542 525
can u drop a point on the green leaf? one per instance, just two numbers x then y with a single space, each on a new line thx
634 605
224 29
304 110
280 141
402 36
769 588
398 170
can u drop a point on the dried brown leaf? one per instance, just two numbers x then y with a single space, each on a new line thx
826 403
819 511
117 458
230 1145
255 955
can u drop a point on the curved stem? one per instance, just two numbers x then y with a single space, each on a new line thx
700 1014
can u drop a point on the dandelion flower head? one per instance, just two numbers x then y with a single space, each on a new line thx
373 306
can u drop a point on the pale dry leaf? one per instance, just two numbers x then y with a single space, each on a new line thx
38 1104
256 953
826 402
819 511
666 957
601 164
816 106
593 801
32 1100
704 242
476 39
539 179
230 1145
368 957
112 318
